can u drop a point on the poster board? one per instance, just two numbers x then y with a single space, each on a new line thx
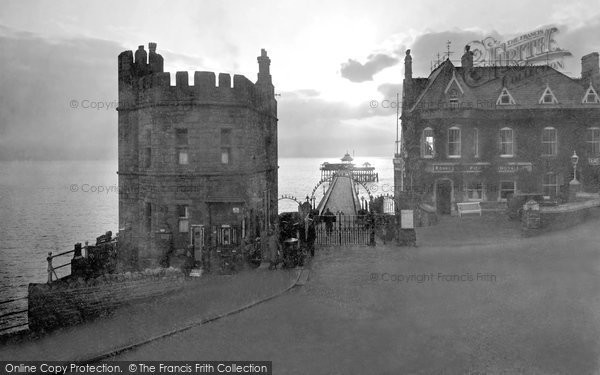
406 219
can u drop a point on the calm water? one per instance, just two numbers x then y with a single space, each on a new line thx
49 206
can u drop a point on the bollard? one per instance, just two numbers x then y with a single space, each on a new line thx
49 259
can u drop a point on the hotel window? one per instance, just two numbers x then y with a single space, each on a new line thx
454 142
507 189
427 143
454 97
593 141
184 218
550 185
476 142
549 143
225 146
506 142
475 191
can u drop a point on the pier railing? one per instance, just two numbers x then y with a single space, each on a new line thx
77 252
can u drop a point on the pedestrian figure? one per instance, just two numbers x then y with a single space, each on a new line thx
311 234
329 219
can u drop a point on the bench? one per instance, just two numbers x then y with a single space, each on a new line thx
468 208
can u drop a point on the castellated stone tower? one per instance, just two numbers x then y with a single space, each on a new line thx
197 163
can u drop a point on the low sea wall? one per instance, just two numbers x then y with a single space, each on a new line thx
569 214
71 301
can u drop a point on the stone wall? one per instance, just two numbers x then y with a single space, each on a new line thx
72 301
568 215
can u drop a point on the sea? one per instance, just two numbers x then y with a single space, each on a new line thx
48 206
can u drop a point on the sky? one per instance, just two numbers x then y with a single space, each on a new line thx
330 62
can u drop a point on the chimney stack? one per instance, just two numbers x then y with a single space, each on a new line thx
408 65
466 61
590 68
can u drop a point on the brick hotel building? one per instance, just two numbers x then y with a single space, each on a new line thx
483 133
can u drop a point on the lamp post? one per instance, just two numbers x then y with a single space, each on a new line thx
574 185
574 161
362 203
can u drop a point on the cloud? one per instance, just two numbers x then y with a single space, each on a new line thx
312 126
39 79
357 72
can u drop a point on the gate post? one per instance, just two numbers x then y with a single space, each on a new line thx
339 228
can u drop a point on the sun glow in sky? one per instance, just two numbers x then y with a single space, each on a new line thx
329 59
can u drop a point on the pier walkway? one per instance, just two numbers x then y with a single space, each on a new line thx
340 196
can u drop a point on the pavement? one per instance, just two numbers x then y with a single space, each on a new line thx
501 305
200 301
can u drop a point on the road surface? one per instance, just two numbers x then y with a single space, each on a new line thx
515 306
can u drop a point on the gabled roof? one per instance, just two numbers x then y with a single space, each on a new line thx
455 82
481 85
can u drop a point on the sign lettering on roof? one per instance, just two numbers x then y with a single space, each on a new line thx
534 48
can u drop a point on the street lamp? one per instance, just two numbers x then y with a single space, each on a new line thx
574 161
362 204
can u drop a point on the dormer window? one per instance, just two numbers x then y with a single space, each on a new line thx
548 97
452 90
505 98
590 97
453 96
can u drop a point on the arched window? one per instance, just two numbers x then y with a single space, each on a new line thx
427 143
454 142
549 142
506 142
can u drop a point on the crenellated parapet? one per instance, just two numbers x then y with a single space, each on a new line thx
143 83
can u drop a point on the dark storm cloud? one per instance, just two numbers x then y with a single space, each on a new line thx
357 72
40 78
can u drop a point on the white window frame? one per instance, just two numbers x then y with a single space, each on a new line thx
424 144
548 92
481 191
592 92
512 143
184 221
593 142
500 190
183 157
553 143
455 142
553 186
505 94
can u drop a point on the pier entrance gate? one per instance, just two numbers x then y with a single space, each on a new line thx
340 230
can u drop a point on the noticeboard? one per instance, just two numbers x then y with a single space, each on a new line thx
406 219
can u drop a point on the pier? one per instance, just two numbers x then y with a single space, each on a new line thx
341 196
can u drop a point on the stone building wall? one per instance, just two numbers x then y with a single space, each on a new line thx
158 122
